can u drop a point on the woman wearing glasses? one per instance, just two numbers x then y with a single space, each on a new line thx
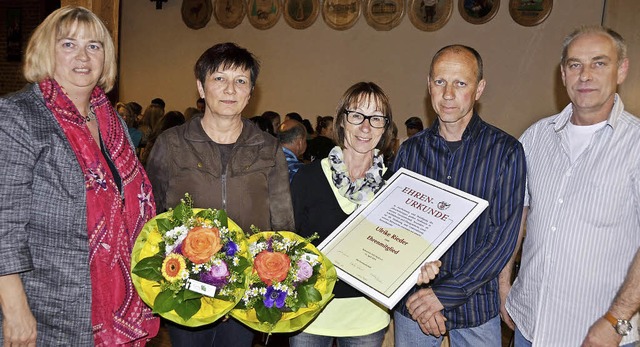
325 192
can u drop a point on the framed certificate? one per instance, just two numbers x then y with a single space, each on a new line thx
380 248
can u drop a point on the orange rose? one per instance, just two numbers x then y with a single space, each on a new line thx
201 244
272 266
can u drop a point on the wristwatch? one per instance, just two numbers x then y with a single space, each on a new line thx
622 326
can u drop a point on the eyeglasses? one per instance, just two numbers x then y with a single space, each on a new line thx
357 118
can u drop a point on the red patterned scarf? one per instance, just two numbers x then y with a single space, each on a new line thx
114 218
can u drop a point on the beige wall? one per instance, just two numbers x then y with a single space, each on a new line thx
307 70
622 16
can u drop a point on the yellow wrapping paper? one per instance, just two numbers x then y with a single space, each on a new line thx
293 321
146 245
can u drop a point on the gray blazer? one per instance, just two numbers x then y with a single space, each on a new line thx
43 233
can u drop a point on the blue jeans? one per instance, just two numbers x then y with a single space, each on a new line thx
219 334
309 340
519 340
408 334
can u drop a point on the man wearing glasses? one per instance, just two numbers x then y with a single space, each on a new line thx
463 151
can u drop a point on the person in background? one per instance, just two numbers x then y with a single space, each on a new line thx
169 120
414 126
150 120
159 102
264 124
73 196
191 112
224 161
390 154
293 115
310 132
137 112
581 256
274 118
130 119
200 105
464 152
293 139
322 143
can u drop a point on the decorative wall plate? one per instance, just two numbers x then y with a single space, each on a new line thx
301 14
530 12
196 13
384 14
263 14
341 14
229 13
478 11
430 15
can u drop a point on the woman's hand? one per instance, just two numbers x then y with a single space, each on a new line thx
18 323
428 272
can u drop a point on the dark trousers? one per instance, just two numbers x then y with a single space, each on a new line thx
219 334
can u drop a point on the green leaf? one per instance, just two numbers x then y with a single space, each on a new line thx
149 268
190 295
188 308
164 302
181 212
270 315
221 215
307 294
164 225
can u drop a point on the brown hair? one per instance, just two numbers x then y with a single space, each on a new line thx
364 93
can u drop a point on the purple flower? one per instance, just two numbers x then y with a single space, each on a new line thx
274 295
230 248
304 271
217 276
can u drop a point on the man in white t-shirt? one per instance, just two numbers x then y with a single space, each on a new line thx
579 281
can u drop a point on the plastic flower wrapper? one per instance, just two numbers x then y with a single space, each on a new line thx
289 284
189 265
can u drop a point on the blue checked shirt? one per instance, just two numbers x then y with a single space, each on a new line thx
489 164
292 162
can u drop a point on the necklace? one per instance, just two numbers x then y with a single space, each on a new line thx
91 116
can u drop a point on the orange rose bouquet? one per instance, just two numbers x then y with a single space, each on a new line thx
189 264
289 284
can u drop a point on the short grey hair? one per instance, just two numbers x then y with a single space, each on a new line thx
621 46
293 133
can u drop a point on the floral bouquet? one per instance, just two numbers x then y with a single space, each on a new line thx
189 264
290 283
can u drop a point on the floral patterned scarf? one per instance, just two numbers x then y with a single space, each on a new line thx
362 189
114 217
